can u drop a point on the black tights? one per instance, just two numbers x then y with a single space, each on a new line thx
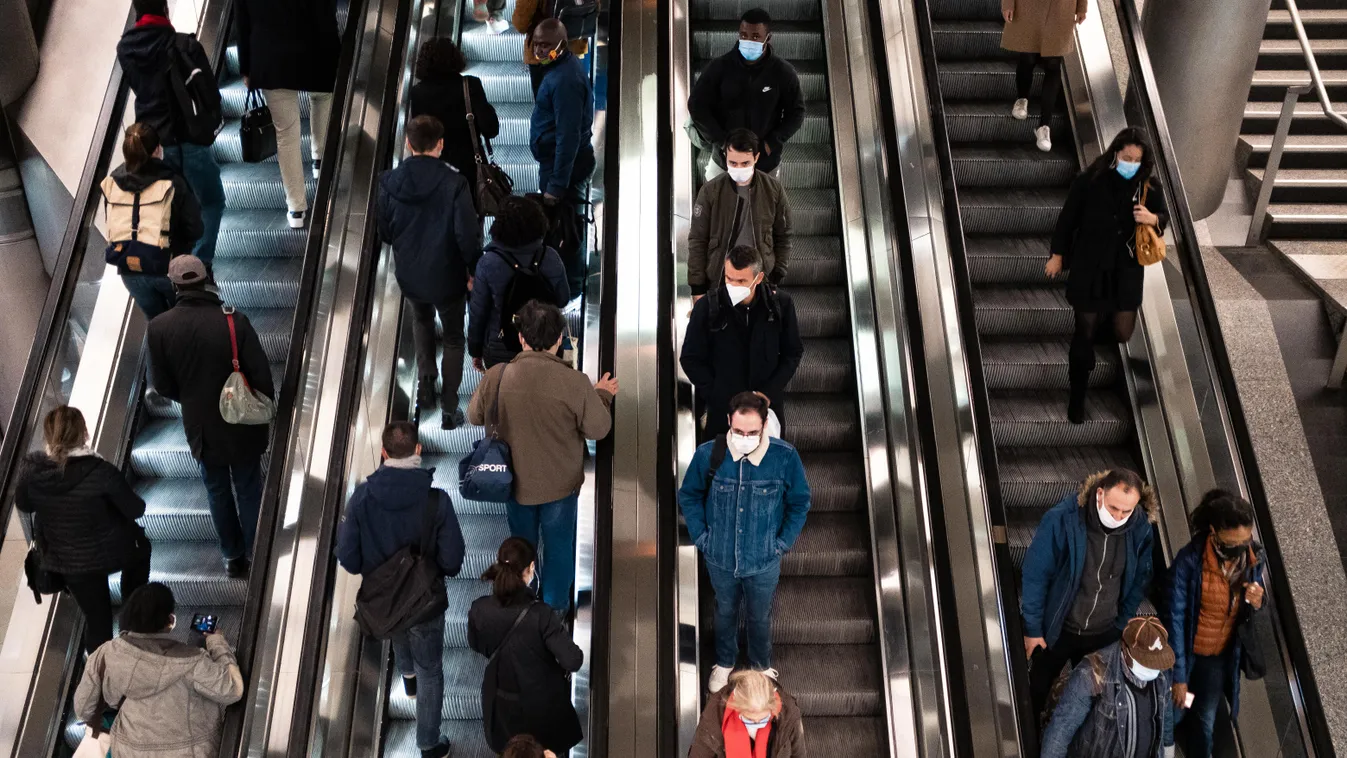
1052 82
1086 335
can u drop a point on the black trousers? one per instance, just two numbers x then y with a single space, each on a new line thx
1047 663
1052 82
423 334
94 599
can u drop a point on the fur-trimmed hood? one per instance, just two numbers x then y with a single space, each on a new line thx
1148 499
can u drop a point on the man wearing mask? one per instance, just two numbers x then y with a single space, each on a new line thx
748 87
1085 574
744 206
742 527
742 337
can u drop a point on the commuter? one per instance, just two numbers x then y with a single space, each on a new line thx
1094 243
742 336
142 53
387 512
84 520
170 695
526 688
744 206
743 551
749 87
545 414
191 357
516 252
1040 32
1216 587
135 198
439 93
491 13
426 213
524 746
527 16
285 49
1085 574
1115 704
559 135
751 716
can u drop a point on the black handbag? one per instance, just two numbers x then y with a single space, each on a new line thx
493 184
257 133
1251 661
40 581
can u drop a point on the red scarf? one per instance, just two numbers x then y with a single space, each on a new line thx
737 742
149 19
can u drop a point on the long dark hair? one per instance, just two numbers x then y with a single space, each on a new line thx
138 146
1132 135
507 573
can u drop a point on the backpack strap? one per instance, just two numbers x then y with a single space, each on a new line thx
718 450
428 522
517 621
135 217
234 342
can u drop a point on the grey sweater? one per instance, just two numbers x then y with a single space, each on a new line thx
1096 605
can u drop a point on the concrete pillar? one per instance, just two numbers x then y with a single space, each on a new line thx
1204 53
18 51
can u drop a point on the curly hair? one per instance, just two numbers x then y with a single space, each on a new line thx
439 58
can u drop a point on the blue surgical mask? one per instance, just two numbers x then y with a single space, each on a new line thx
1128 169
751 50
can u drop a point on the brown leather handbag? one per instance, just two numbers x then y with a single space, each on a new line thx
493 184
1150 244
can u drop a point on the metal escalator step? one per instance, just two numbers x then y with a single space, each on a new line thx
968 40
821 422
795 10
464 734
175 509
817 126
813 77
816 261
514 125
1019 166
814 212
849 736
821 311
832 680
248 283
1024 311
832 544
161 407
1018 539
836 482
1007 260
160 450
233 95
1011 365
482 535
1038 419
463 671
258 185
228 147
273 329
517 160
969 10
478 43
195 573
824 611
258 233
991 122
231 62
457 442
807 166
1036 478
504 81
792 40
462 591
984 80
1006 211
825 367
446 478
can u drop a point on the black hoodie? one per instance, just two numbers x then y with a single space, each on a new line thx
84 513
763 97
185 226
143 55
426 214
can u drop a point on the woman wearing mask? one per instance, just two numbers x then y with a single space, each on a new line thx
439 93
1216 587
170 695
751 717
1040 31
84 520
168 216
1095 243
530 656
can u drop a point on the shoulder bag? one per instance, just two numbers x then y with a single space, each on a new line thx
487 473
406 589
40 581
257 133
1150 245
493 184
240 403
497 732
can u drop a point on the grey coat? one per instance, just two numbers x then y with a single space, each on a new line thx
172 695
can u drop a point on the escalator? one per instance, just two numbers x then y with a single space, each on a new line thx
824 626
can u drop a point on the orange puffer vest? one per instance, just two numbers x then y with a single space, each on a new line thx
1220 607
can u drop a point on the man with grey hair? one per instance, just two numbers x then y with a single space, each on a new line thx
742 337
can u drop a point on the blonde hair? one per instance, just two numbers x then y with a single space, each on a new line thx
752 691
63 430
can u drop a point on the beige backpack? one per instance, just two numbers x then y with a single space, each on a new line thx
138 226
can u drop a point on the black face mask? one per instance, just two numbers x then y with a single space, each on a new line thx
1230 552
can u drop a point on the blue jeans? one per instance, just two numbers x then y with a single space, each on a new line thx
1207 680
153 294
756 592
419 651
554 522
197 165
235 496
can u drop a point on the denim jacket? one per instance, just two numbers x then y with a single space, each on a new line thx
1097 712
752 514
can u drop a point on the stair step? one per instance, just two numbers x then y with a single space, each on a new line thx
1287 54
1315 221
1260 117
1317 151
1272 84
1319 23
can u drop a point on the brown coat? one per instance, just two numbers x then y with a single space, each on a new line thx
523 21
547 411
1041 26
787 739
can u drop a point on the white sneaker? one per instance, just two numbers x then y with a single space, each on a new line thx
296 219
720 676
1044 136
1021 109
497 24
479 11
771 674
317 166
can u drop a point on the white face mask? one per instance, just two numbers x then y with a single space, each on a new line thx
1106 518
741 175
1144 674
738 294
745 445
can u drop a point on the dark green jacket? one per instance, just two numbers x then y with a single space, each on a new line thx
712 232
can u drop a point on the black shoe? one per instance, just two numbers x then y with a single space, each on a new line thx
450 421
1075 407
439 751
426 399
237 568
409 685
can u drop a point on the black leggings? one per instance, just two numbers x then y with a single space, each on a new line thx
1052 82
1086 335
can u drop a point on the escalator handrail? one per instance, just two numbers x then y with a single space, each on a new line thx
1227 390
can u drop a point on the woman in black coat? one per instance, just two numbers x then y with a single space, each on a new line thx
439 93
526 689
83 520
1094 242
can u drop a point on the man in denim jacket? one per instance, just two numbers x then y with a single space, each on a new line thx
743 515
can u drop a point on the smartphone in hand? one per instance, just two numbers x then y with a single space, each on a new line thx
205 623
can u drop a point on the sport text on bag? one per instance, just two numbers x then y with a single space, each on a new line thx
197 113
138 226
408 588
487 473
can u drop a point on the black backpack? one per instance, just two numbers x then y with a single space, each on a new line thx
580 17
408 588
197 114
526 283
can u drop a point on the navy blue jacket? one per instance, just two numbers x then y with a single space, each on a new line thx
143 54
426 214
1056 561
562 123
1185 602
386 514
488 296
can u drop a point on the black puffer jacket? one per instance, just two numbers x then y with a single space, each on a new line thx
143 55
84 513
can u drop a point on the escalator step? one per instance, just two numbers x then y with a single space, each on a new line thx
813 212
984 80
176 509
250 233
463 671
824 611
792 40
249 283
797 10
832 544
160 450
462 591
836 482
825 367
1041 311
991 122
816 260
195 573
1007 260
1012 166
1011 212
464 735
479 44
832 680
1038 419
821 311
968 40
1042 365
504 81
849 736
970 10
233 95
806 166
258 185
821 422
482 535
1037 477
228 147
